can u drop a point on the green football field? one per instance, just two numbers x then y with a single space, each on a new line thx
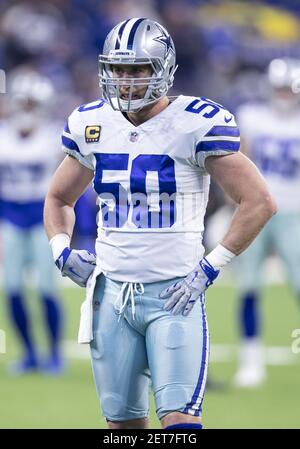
70 401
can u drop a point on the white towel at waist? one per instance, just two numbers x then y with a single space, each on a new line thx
85 333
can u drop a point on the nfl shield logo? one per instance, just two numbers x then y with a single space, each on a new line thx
133 136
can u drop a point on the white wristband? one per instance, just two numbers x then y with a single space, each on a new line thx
58 243
219 257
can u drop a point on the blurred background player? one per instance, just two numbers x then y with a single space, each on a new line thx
271 135
29 154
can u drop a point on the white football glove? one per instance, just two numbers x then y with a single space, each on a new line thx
184 294
77 265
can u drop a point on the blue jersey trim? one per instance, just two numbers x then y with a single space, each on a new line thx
86 107
215 145
232 131
70 144
23 215
66 128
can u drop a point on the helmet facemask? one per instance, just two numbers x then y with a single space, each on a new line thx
157 84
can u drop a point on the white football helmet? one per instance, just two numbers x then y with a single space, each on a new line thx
137 41
30 94
28 85
284 78
285 72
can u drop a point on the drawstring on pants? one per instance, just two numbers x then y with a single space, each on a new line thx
121 301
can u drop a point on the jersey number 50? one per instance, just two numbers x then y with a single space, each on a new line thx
118 205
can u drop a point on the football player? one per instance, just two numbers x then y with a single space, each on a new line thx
29 155
150 158
272 140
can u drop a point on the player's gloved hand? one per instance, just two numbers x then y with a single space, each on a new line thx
183 294
77 265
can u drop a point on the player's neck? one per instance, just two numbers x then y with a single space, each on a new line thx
137 118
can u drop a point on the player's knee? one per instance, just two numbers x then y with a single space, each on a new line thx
113 407
140 423
116 410
171 398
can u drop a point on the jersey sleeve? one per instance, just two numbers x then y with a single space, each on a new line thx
73 140
223 137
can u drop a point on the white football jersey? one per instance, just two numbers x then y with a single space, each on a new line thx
27 164
273 143
151 183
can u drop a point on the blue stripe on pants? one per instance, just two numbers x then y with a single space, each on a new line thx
203 370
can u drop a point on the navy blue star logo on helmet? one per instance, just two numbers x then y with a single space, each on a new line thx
166 41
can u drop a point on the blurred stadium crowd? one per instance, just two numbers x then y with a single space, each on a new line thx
223 46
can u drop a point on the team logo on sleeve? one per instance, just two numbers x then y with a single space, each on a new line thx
92 133
228 119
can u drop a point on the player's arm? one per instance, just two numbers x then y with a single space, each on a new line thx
217 154
240 179
242 182
69 182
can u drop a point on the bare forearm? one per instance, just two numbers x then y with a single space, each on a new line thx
59 217
247 222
